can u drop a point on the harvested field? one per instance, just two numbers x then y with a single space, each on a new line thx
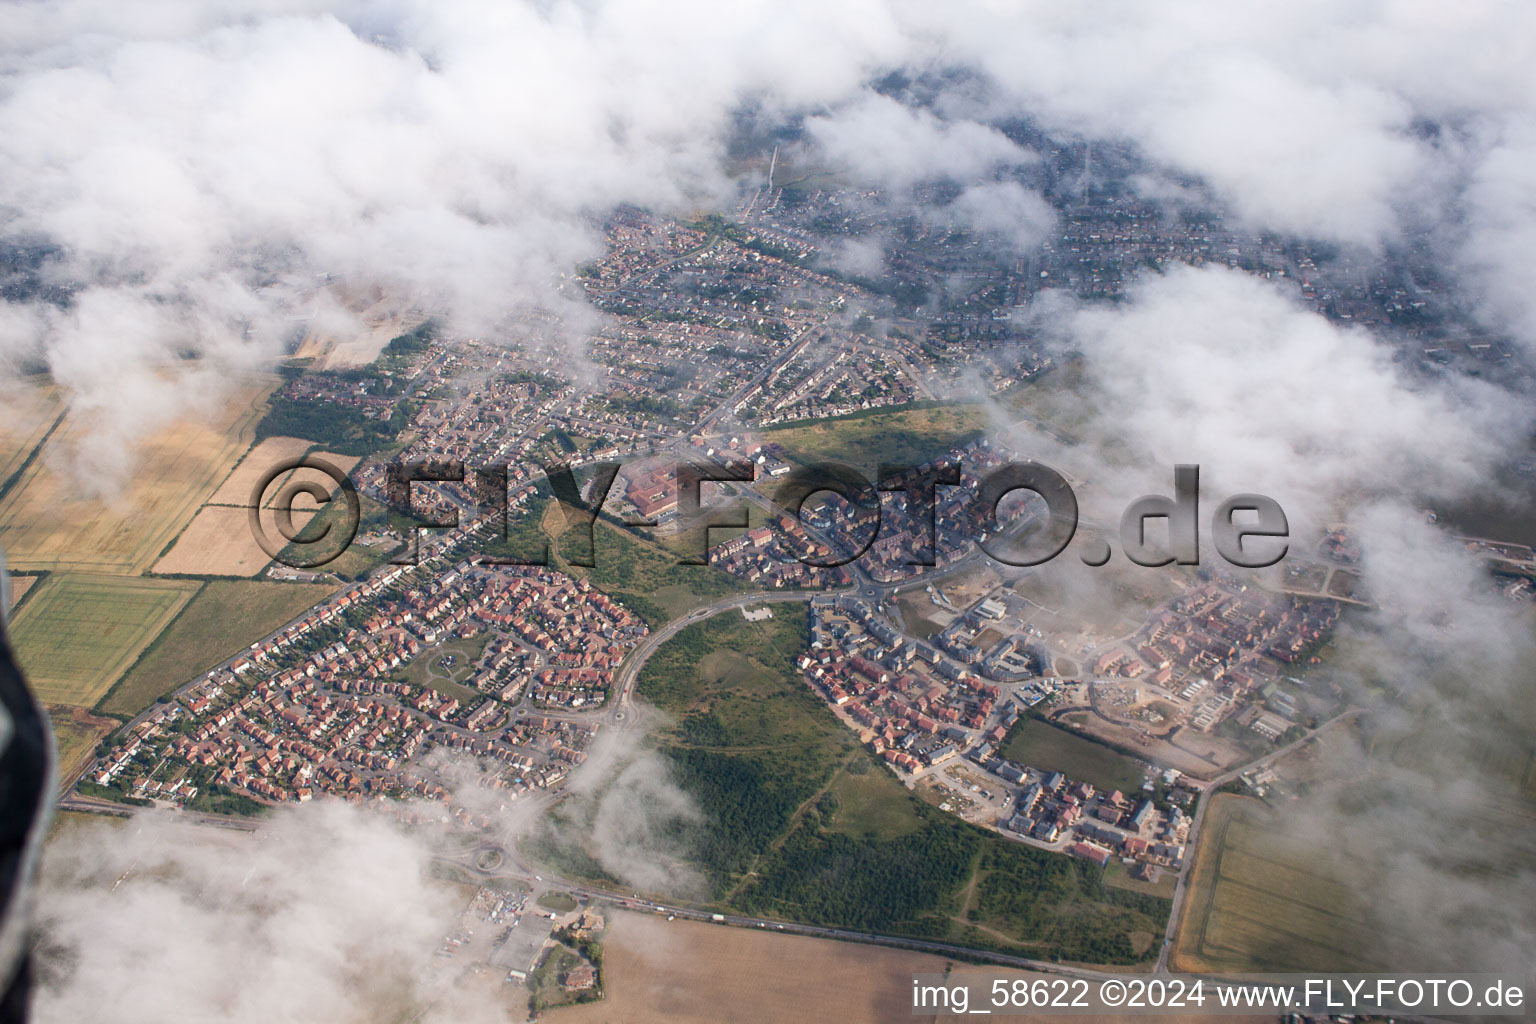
676 972
671 972
19 587
1260 899
218 542
236 488
342 462
25 421
48 522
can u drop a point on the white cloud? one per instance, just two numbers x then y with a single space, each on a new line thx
1215 367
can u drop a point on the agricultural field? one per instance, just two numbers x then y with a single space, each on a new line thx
355 349
29 415
913 433
19 587
1503 756
1042 745
79 633
218 542
1261 899
48 522
688 972
343 463
225 617
236 488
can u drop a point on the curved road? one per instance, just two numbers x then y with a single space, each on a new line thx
629 672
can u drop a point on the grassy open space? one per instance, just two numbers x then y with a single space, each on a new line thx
917 615
641 573
1118 874
427 669
732 683
1263 899
1041 745
75 735
647 577
49 522
867 802
225 617
559 902
78 633
318 547
801 823
911 433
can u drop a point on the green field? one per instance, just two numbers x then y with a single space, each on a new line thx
647 577
1041 745
642 574
1264 899
426 669
78 633
559 902
867 802
912 433
801 823
914 616
353 562
225 617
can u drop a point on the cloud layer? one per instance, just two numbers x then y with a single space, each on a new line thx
194 171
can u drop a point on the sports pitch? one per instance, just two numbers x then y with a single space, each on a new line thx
78 633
